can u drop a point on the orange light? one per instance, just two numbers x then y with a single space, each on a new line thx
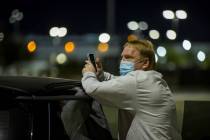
103 47
132 37
69 47
31 46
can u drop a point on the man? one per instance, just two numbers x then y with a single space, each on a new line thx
147 108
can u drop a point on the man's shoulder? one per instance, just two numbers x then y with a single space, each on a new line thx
142 75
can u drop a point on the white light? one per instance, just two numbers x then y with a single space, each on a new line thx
161 51
15 12
156 58
1 37
133 25
186 45
12 20
104 37
168 14
54 31
181 14
61 58
143 25
20 16
62 32
171 34
201 56
16 15
154 34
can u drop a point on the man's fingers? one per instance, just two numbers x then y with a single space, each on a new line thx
88 62
98 62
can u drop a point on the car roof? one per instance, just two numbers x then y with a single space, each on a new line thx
36 85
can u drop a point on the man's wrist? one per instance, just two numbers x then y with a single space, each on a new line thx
89 73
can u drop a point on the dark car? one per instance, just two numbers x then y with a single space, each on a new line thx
31 108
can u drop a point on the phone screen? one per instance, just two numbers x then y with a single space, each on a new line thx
91 58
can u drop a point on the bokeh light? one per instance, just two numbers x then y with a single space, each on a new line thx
31 46
61 58
69 47
103 47
201 56
171 34
154 34
133 25
161 51
104 37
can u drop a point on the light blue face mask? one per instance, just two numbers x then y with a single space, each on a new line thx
126 67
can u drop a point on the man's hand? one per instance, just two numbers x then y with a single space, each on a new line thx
88 67
99 66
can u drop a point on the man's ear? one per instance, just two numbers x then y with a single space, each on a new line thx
146 63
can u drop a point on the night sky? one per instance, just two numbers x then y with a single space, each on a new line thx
89 16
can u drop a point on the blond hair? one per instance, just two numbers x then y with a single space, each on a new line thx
146 50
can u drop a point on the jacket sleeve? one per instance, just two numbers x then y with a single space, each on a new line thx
105 76
108 76
119 92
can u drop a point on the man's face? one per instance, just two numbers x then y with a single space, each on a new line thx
130 53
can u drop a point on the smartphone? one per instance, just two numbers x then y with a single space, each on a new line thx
91 58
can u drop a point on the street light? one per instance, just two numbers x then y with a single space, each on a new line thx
133 25
16 16
201 56
186 44
54 31
143 25
104 37
178 14
161 51
175 17
1 36
168 14
58 32
103 47
62 32
171 34
61 58
154 34
181 14
31 46
69 47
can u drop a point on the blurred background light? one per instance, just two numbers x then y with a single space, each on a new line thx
54 31
103 47
143 25
16 15
201 56
154 34
62 32
69 47
181 14
168 14
58 32
156 58
61 58
133 25
20 16
161 51
132 37
31 46
1 36
171 34
11 20
186 44
104 37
